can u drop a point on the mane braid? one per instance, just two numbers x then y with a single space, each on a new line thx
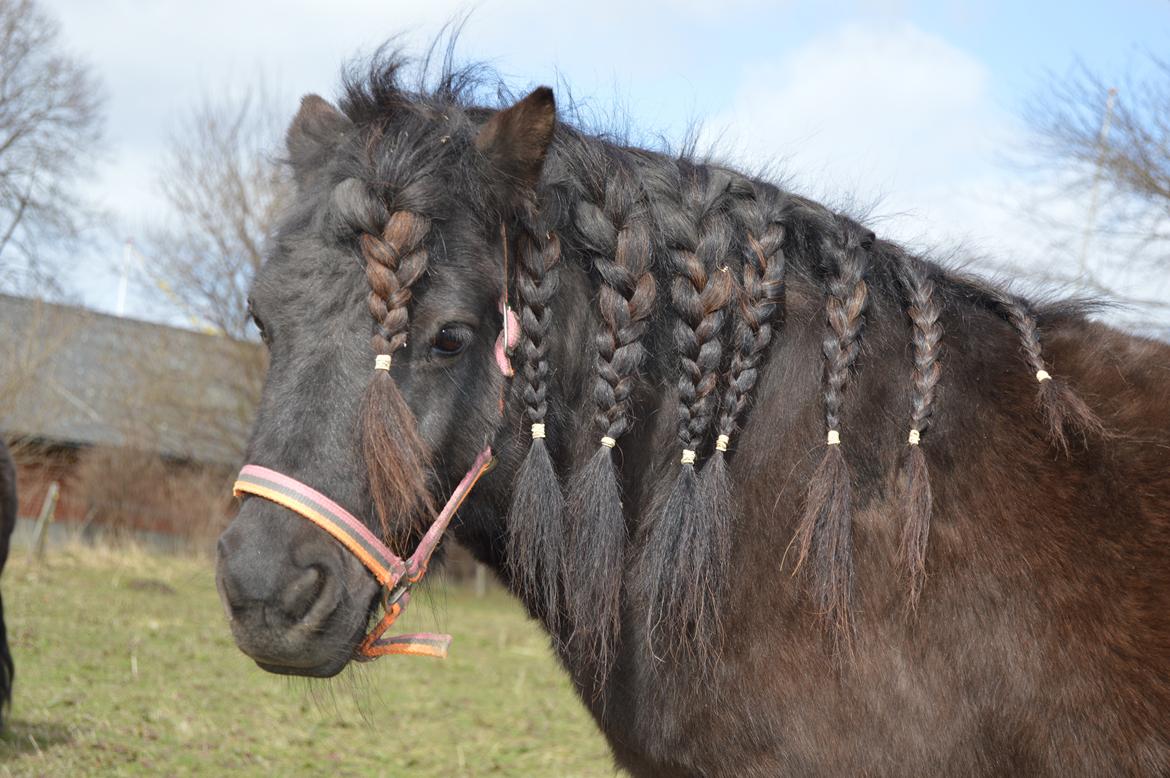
613 224
923 310
760 294
825 533
1063 410
683 548
396 456
536 518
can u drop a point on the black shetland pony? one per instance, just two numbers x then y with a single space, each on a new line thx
7 524
788 499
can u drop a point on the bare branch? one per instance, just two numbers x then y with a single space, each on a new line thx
222 180
1117 151
50 129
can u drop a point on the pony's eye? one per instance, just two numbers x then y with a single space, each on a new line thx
264 336
451 340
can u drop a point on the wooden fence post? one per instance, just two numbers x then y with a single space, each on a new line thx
480 580
48 511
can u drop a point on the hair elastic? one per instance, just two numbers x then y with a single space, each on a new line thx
721 442
1042 376
607 441
382 362
915 436
833 438
537 431
688 456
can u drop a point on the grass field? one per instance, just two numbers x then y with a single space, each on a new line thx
125 666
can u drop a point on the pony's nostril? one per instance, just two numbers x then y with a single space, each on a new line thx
303 592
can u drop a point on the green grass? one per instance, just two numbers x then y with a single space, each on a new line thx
125 666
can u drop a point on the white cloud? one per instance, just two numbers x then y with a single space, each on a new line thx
902 120
868 111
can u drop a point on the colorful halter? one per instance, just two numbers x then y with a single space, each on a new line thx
395 574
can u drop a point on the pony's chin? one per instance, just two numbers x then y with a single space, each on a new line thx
327 670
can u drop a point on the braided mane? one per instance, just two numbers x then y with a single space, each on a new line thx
689 264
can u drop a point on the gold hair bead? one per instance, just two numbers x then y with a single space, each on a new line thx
1042 376
382 362
833 438
721 442
688 457
915 436
607 441
538 431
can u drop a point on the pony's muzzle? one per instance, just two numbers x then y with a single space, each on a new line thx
294 602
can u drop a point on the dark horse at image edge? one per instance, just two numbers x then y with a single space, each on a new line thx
787 499
8 506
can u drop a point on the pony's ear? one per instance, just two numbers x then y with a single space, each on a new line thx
515 141
315 132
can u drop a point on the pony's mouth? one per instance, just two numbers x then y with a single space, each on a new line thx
347 651
326 669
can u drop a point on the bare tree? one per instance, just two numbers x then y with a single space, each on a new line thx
225 188
50 129
1115 136
1107 141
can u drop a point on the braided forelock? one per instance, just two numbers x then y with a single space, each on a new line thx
396 456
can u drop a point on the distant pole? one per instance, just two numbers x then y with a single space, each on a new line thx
124 281
1095 192
48 509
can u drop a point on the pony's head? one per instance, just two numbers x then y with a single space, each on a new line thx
380 304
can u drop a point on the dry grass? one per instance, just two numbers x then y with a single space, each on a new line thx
126 667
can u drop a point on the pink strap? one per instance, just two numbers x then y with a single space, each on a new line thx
507 339
417 565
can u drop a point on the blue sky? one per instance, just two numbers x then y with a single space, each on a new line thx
911 108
